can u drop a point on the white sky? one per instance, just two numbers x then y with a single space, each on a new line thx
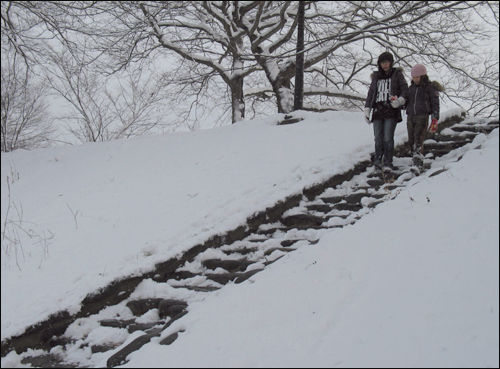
414 283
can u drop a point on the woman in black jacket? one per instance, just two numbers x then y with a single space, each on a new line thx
423 100
386 96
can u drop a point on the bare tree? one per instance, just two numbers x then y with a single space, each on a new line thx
26 123
477 92
439 33
52 39
206 32
106 108
28 26
244 52
89 116
196 96
138 103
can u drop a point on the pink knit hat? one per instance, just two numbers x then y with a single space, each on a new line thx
418 70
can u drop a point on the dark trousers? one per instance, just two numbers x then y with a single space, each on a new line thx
383 130
417 127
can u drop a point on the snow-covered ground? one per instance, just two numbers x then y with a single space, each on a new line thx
415 283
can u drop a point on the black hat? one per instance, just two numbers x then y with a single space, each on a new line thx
385 56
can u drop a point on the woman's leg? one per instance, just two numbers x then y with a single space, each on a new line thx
378 131
389 129
421 125
411 133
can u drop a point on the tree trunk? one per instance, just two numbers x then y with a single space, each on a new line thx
283 91
237 100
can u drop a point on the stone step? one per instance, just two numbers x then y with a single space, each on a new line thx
273 249
225 278
302 220
478 129
288 243
166 307
229 265
198 288
448 138
348 206
332 199
443 146
319 208
355 198
119 358
46 361
242 251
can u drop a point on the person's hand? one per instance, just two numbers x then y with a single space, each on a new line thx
396 102
367 115
434 126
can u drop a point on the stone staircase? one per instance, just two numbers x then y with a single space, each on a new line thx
297 221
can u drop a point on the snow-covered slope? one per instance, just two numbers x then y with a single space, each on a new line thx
415 283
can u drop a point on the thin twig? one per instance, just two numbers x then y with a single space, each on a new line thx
74 215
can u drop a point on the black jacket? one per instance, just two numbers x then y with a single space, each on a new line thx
423 99
399 88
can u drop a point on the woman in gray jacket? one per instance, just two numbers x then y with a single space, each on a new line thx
423 100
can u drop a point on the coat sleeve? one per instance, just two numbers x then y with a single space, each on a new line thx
371 92
434 101
402 86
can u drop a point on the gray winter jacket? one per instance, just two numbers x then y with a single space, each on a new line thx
423 99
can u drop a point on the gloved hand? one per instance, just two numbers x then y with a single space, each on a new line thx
396 102
434 126
367 115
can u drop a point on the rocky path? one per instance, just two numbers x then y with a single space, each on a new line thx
233 258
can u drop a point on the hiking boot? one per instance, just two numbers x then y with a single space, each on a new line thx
418 159
389 167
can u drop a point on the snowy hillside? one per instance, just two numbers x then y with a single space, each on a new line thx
413 283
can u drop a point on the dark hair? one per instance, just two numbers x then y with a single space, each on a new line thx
385 56
425 79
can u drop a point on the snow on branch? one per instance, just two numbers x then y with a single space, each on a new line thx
333 92
308 91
